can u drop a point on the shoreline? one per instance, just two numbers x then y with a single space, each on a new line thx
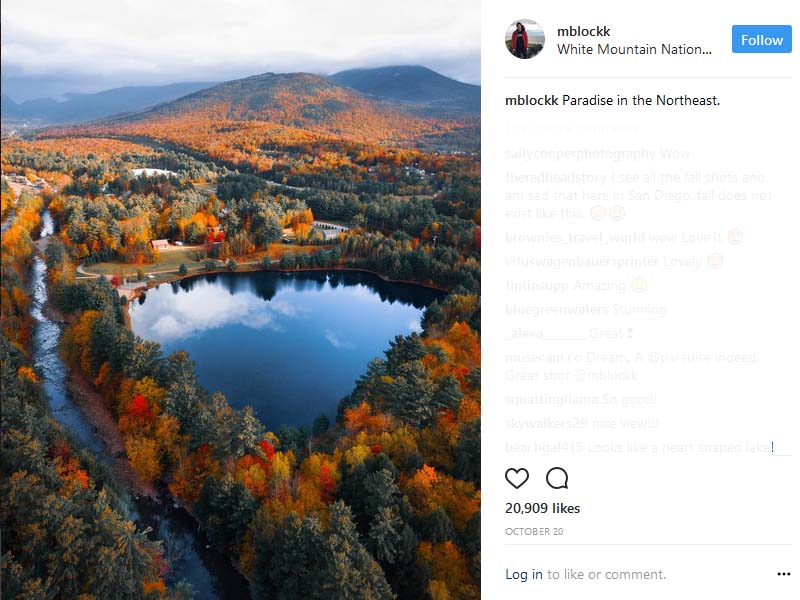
92 404
133 294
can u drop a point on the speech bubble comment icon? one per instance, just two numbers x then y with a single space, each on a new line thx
517 477
557 478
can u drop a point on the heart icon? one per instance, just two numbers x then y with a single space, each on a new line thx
517 477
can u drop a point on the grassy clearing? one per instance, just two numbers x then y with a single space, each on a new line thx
276 251
169 262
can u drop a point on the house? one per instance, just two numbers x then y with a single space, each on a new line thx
415 171
160 244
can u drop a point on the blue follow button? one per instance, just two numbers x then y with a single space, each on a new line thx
762 39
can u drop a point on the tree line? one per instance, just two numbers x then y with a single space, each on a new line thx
382 503
66 528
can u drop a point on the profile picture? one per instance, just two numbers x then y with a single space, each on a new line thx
524 38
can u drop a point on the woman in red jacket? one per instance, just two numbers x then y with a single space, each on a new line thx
519 42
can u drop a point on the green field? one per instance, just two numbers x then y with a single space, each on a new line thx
167 261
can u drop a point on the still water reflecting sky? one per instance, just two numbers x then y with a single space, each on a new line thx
289 345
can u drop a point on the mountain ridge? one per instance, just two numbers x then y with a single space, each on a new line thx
413 83
80 107
411 88
305 102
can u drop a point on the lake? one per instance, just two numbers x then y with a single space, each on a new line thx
290 345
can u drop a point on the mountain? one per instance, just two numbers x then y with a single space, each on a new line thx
9 107
413 84
302 101
87 107
294 99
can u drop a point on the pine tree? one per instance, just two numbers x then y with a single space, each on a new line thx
383 534
467 452
438 528
225 508
448 394
410 395
349 572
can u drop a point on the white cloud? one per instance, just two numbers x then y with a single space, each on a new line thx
168 327
337 342
182 316
415 326
148 41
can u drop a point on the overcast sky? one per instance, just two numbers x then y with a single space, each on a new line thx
51 46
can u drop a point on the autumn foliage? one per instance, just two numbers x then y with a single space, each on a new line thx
396 478
64 533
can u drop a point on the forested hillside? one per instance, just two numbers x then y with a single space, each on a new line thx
65 529
382 502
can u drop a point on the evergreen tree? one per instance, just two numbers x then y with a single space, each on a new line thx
380 491
432 316
303 560
54 253
448 394
321 424
404 349
349 572
293 438
225 508
383 534
438 528
410 395
147 360
467 453
184 399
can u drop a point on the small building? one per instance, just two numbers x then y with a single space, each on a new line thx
160 244
329 231
152 172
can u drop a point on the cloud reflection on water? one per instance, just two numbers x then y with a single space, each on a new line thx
182 316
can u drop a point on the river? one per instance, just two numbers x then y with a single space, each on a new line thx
209 572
